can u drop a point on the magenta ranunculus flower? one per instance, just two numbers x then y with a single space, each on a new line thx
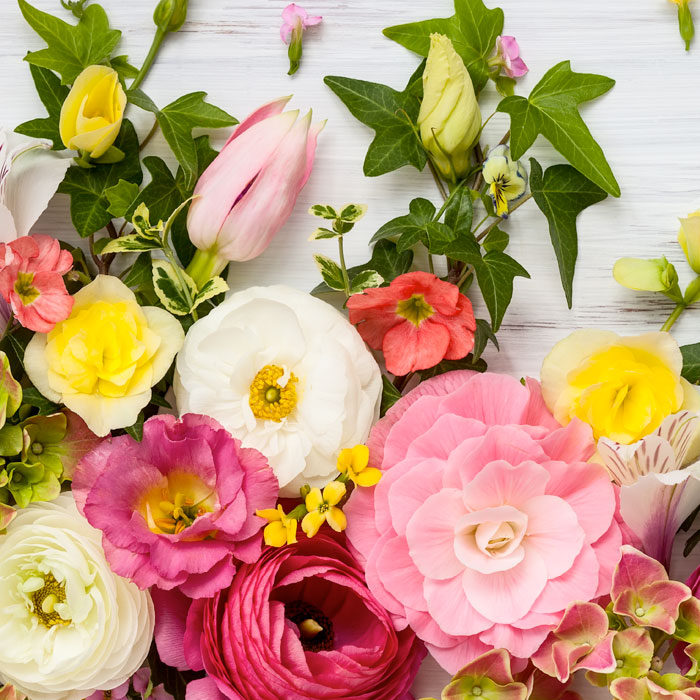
298 624
488 521
178 508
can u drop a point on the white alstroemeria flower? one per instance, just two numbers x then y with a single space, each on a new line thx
284 373
30 174
68 624
659 486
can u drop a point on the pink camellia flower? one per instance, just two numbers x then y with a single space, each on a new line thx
178 508
488 521
417 321
245 196
508 54
299 623
31 281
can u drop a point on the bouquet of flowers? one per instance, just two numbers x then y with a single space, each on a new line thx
272 493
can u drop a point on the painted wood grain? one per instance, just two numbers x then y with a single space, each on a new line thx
649 126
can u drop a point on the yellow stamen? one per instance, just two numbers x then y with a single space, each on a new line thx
45 599
268 399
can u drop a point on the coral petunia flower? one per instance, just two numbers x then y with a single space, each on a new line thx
417 321
31 281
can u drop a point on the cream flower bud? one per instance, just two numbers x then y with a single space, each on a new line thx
449 118
656 275
689 238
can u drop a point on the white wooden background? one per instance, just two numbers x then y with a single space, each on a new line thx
649 127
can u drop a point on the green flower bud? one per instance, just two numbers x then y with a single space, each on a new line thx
449 118
657 275
170 15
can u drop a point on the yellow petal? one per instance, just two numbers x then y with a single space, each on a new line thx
333 493
360 457
269 514
312 522
368 477
275 535
336 519
314 499
291 528
345 460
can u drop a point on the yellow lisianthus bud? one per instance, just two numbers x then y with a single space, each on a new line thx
623 387
689 238
92 113
656 275
449 118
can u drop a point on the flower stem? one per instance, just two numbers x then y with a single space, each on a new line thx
437 179
150 57
431 267
8 326
675 315
493 225
149 136
343 267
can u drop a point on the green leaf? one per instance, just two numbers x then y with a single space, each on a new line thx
365 280
214 287
10 440
330 271
415 82
352 213
136 430
691 363
71 48
32 397
410 228
459 212
121 197
139 98
496 240
391 114
176 292
124 68
552 110
465 249
505 85
482 335
562 193
87 187
52 95
450 365
133 243
473 30
390 395
325 211
323 233
140 273
495 273
178 119
440 237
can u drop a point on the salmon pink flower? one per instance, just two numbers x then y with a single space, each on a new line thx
488 521
299 623
31 281
178 508
417 321
245 196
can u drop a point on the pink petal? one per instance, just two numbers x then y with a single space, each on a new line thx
522 643
268 110
450 608
171 617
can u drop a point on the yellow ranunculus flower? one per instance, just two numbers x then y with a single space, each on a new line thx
102 361
622 387
449 118
92 114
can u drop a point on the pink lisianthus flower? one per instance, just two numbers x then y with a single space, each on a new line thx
488 521
417 321
508 55
176 509
298 623
31 281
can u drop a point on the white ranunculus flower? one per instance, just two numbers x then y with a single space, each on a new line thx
68 624
286 374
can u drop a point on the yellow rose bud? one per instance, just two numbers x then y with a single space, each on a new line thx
92 114
656 275
622 387
449 118
102 361
689 238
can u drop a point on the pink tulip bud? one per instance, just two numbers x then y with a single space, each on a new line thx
248 192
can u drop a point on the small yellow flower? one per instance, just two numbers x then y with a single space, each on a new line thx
281 529
507 180
322 508
353 463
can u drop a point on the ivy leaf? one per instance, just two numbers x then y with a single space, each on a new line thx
330 271
87 187
214 287
33 397
391 114
562 193
440 236
52 95
482 335
390 395
473 30
459 213
176 292
465 249
552 110
140 273
495 273
177 121
691 363
121 196
124 68
71 48
410 228
136 430
496 240
366 279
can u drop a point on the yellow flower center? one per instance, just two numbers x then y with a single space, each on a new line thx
45 599
24 288
174 507
415 309
625 393
268 399
106 348
315 628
